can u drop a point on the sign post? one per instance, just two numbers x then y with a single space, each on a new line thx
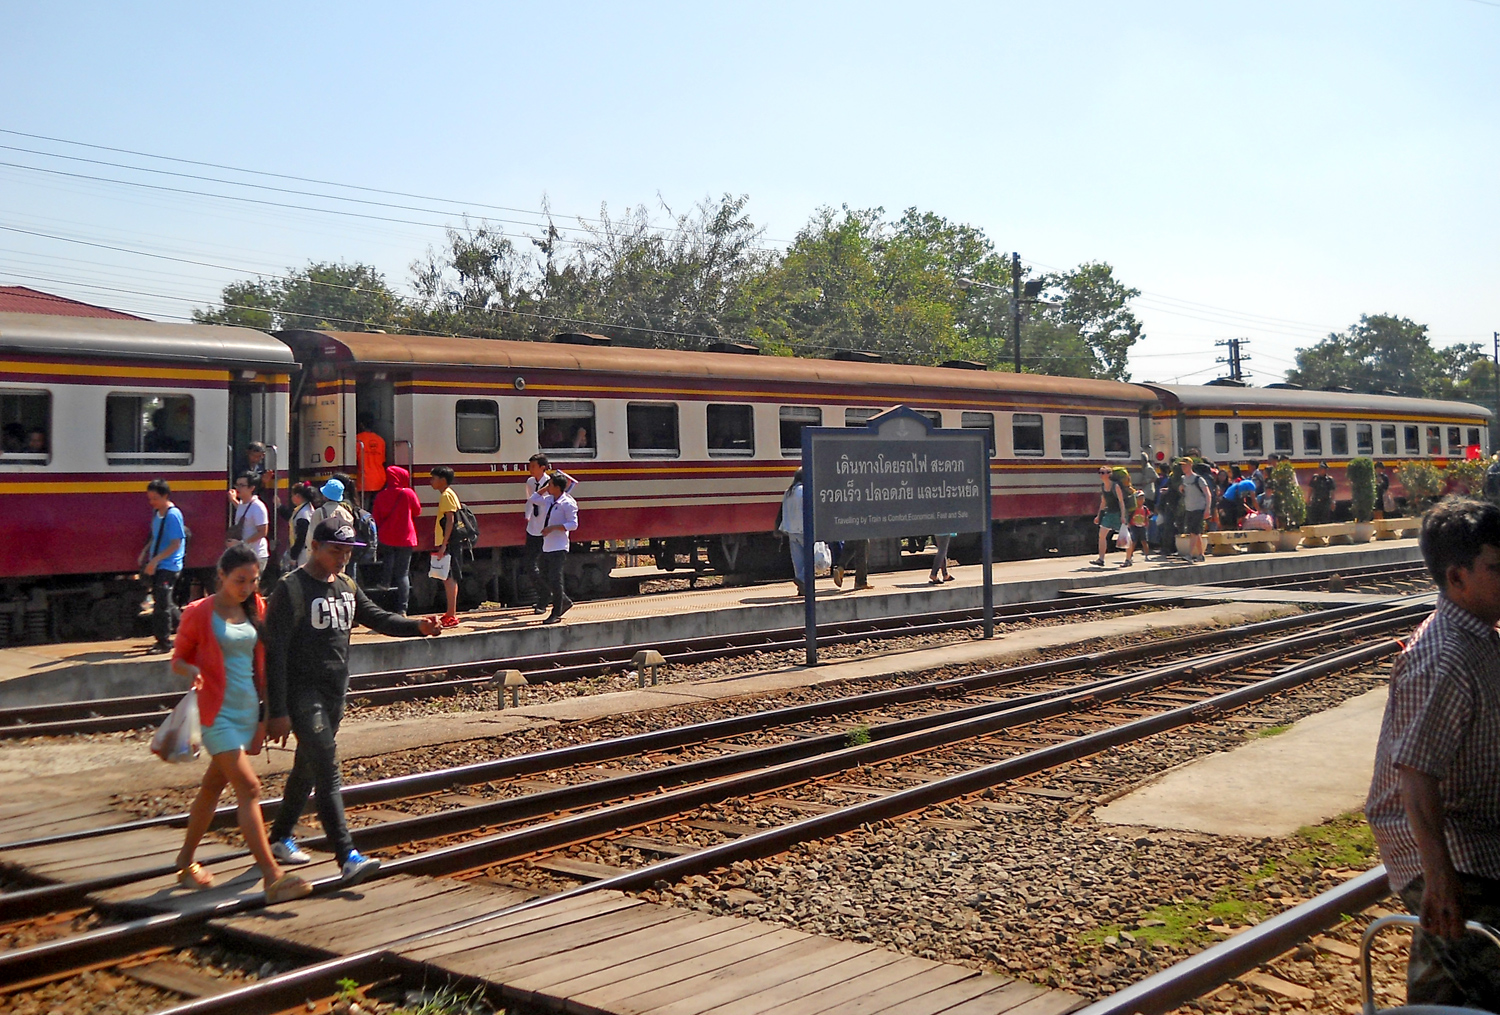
895 476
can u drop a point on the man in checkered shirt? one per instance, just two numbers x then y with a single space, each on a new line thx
1434 801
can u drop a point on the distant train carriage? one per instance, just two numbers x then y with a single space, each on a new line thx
91 410
1241 425
690 450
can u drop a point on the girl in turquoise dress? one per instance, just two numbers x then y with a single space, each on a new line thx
219 649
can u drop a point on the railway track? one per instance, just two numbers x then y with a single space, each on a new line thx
1089 715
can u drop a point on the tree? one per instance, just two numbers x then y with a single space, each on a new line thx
324 295
1387 353
1098 306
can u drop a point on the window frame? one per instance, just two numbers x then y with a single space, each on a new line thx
782 419
1335 430
30 457
1258 448
1394 438
567 451
1455 441
1478 441
1307 450
1123 421
657 453
859 417
1279 428
458 413
968 421
1434 443
1221 430
708 413
1062 437
1412 438
1041 431
1364 448
137 459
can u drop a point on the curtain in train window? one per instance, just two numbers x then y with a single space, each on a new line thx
1026 434
148 429
1221 438
1116 438
731 430
1281 433
26 427
476 426
1252 439
1073 435
1338 439
981 421
651 429
565 428
793 419
1364 439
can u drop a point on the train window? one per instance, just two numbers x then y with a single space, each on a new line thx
731 430
1116 438
1221 438
476 426
1281 433
980 421
1413 437
1364 439
1388 438
1434 440
793 419
1026 434
858 417
1338 439
1473 436
651 429
148 429
1455 444
1252 439
1073 433
26 426
565 428
1312 438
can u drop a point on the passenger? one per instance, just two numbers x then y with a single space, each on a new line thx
1164 515
1239 501
1434 803
331 506
852 555
581 438
1259 475
161 561
36 441
445 566
1385 504
1111 510
1135 519
219 649
559 519
251 522
369 456
940 559
789 521
254 462
1197 506
299 525
1320 496
307 631
536 496
396 509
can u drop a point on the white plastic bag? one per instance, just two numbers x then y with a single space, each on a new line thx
822 558
440 567
181 736
1122 541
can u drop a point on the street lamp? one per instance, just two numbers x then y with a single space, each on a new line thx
1019 296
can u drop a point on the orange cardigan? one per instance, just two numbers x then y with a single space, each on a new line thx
197 644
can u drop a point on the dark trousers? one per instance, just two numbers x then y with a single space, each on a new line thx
1319 512
855 556
395 572
164 612
315 769
552 572
531 563
1458 973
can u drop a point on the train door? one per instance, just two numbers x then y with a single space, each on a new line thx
375 406
257 414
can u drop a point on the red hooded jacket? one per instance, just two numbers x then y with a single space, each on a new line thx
396 509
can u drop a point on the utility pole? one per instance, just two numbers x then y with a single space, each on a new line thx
1237 359
1015 307
1495 430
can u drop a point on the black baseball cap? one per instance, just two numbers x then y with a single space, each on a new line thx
335 531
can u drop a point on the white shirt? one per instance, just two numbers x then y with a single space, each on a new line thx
562 511
791 511
250 516
537 500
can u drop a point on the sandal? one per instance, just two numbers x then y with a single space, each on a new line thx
194 877
286 888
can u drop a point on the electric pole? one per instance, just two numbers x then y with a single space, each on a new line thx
1495 430
1237 359
1015 308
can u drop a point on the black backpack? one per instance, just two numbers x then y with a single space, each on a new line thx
366 532
465 528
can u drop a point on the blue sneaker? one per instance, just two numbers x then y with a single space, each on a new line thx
358 867
287 851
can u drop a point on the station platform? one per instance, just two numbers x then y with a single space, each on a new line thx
40 674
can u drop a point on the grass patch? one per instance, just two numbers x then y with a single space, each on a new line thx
858 736
1344 841
1179 922
1273 731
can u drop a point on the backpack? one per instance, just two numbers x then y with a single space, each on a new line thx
465 527
366 532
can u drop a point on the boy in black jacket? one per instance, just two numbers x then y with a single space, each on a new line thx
308 623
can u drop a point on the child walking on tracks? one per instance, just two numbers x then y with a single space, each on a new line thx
219 648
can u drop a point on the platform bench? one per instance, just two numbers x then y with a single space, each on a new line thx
1396 528
1327 535
1224 544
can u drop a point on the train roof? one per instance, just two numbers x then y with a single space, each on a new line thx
387 350
49 335
1193 396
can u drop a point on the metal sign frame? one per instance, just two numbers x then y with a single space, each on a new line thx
898 423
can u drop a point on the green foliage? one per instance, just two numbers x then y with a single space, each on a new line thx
1272 731
1423 483
1361 474
1466 476
1290 505
858 736
1344 841
1385 353
448 1001
336 297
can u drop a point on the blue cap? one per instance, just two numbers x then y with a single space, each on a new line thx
333 490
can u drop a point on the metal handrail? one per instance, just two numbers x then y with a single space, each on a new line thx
1406 920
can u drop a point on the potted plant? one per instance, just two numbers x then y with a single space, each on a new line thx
1361 474
1288 504
1423 484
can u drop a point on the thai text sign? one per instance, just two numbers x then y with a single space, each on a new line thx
897 477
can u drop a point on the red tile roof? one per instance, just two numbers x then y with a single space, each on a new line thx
17 299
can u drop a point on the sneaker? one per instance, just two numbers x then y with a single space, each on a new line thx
287 851
358 867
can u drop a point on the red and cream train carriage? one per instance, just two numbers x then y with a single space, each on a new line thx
118 403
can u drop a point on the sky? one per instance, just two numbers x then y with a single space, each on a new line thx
1268 171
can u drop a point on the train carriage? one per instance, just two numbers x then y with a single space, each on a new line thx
688 449
92 409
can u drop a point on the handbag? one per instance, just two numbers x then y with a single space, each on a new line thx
181 736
